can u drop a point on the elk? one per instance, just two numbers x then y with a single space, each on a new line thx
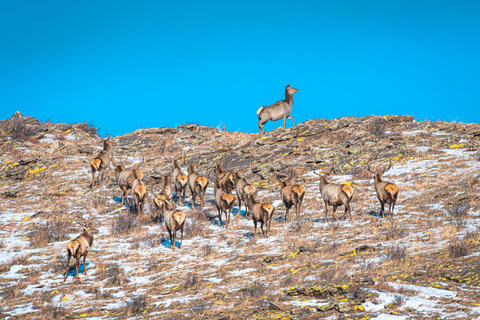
173 219
100 162
157 201
126 177
387 192
292 195
244 190
198 185
335 194
279 110
79 247
139 191
225 179
224 203
261 212
179 181
166 187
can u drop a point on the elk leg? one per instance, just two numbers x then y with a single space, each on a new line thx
382 209
334 211
170 235
77 263
219 216
84 264
284 122
286 215
68 262
181 230
290 117
93 177
326 210
174 242
261 227
255 224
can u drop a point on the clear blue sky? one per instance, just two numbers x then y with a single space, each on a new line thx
135 64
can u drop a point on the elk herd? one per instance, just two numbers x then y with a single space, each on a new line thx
225 182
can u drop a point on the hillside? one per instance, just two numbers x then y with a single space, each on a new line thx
423 262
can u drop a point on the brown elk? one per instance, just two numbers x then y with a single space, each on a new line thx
292 195
387 192
198 185
139 191
224 203
279 110
173 219
225 179
180 181
244 190
101 162
126 177
261 212
336 195
79 247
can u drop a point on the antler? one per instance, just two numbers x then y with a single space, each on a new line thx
389 166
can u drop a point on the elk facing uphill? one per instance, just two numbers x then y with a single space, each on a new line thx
279 110
387 192
79 247
198 185
292 196
139 192
100 162
173 219
224 203
180 181
244 190
225 179
335 194
261 212
125 178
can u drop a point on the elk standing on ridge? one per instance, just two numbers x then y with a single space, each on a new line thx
180 181
224 203
225 179
261 212
139 191
198 185
100 162
279 110
387 192
173 219
79 247
335 194
244 190
292 195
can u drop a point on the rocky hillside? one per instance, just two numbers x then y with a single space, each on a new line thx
423 262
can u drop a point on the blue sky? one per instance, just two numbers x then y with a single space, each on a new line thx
135 64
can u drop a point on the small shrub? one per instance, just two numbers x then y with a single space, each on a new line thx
52 231
399 300
361 173
394 232
137 305
191 281
115 275
457 250
195 229
18 129
89 128
207 250
357 292
123 224
457 213
301 226
255 291
397 253
52 311
378 126
4 267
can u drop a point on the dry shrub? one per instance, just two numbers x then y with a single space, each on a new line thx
123 224
378 127
136 306
89 128
397 253
394 232
195 229
300 226
361 173
52 311
207 250
191 282
52 231
255 291
12 292
115 275
18 129
457 213
457 250
4 267
357 292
